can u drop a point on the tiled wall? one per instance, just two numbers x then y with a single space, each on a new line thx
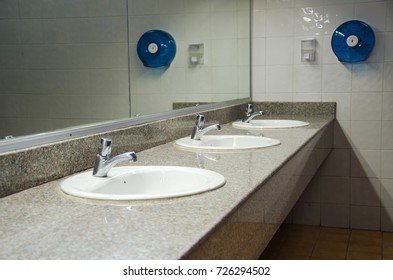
65 62
354 187
223 26
61 63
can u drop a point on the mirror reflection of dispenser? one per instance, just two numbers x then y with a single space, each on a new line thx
196 52
308 50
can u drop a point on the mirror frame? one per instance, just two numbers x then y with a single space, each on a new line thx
31 141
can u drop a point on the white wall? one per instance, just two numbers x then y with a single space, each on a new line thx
354 188
62 63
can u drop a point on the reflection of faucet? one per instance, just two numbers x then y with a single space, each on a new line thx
103 161
249 115
199 131
202 157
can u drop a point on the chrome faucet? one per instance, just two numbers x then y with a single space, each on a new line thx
103 161
249 114
199 131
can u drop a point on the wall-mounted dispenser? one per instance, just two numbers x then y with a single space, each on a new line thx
353 41
196 53
308 50
156 48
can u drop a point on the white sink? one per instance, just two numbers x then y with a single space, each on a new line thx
143 182
269 124
226 143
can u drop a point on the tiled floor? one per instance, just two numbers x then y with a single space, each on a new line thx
296 242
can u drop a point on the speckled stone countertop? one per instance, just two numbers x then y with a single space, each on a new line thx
44 223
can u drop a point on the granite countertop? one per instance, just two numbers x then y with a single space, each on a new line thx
44 223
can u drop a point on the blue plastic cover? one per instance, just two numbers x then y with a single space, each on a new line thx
353 41
156 48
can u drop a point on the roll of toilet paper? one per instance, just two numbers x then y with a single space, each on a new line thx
352 41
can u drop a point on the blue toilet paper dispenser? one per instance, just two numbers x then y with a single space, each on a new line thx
353 41
156 48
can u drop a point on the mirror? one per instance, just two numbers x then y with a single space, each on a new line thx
73 63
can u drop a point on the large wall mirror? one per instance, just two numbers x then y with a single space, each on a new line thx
66 63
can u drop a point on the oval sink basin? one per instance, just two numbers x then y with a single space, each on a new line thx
226 143
143 182
269 124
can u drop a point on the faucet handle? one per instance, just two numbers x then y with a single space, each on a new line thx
200 120
105 147
249 109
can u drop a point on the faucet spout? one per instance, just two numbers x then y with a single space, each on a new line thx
198 134
198 131
249 114
103 161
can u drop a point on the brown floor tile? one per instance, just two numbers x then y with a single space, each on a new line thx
336 230
387 237
291 243
308 232
363 256
364 251
297 252
387 251
326 245
334 238
365 242
334 248
295 242
329 254
387 256
339 232
359 245
366 235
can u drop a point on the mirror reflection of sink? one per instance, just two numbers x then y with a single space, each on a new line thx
143 182
269 124
226 143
